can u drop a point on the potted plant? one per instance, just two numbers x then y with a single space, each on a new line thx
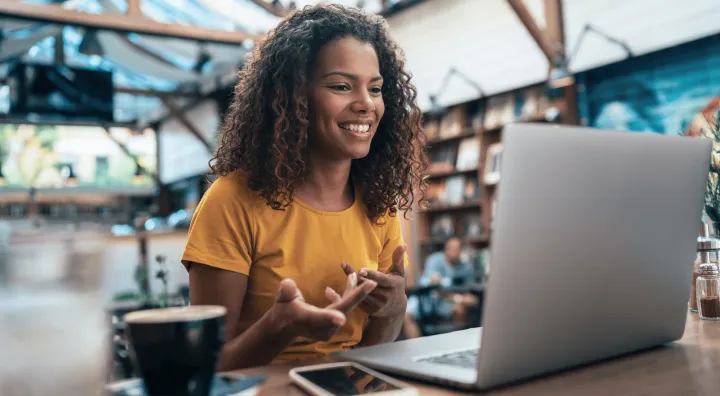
711 130
138 299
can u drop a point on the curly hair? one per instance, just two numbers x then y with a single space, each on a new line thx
265 132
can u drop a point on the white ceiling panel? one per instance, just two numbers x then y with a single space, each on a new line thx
119 51
18 46
482 38
486 40
645 25
181 154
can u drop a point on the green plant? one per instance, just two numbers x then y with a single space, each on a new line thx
712 194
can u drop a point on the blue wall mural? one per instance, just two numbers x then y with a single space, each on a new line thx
662 92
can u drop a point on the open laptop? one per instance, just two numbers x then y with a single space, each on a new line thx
591 258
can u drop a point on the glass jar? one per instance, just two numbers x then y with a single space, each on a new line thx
708 292
708 252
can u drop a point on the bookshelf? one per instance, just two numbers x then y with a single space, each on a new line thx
461 144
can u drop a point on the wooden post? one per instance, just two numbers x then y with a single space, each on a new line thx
122 23
555 27
60 49
541 39
144 264
177 113
271 8
551 41
555 30
129 154
133 8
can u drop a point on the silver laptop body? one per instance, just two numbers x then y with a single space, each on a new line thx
591 257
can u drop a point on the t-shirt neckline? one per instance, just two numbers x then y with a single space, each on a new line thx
329 213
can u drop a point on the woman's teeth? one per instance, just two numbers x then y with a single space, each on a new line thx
356 127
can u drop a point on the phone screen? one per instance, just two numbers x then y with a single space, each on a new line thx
347 381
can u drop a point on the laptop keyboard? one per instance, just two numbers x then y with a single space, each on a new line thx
464 359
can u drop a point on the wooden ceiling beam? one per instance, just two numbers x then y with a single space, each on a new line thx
127 152
156 93
177 113
133 8
54 13
540 37
273 9
555 26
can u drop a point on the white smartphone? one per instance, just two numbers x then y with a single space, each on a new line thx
347 379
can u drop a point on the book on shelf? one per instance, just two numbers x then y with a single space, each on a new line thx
531 103
472 189
470 226
476 111
525 104
435 193
442 159
493 162
443 226
432 127
500 111
454 190
468 155
453 122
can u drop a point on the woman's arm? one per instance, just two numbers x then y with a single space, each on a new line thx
288 318
257 346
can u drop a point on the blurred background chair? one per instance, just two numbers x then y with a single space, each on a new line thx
432 318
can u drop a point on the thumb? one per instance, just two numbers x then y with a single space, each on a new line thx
398 258
288 291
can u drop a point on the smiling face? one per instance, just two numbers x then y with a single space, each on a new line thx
345 99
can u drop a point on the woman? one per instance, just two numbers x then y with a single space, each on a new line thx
319 151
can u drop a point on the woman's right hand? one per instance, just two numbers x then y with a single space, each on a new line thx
293 315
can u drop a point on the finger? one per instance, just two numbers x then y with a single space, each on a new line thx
288 291
375 300
323 317
347 268
398 266
370 308
383 280
332 295
354 297
352 282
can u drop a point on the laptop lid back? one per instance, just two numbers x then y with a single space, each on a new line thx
592 249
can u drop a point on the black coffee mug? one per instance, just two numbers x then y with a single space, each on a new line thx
176 349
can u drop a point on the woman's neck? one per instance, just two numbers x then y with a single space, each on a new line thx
327 185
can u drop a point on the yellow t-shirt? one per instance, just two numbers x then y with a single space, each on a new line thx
234 229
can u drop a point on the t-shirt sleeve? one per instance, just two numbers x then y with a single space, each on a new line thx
393 239
220 233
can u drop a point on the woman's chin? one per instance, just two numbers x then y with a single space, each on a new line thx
359 153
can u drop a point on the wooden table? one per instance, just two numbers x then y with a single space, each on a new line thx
690 366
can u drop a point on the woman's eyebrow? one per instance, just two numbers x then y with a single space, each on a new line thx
350 76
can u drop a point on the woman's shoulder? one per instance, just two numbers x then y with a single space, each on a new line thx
231 189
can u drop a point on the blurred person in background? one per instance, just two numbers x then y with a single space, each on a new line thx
316 158
443 268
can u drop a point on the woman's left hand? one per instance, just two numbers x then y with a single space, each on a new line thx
388 298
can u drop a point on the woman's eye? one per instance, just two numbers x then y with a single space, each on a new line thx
340 87
376 90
